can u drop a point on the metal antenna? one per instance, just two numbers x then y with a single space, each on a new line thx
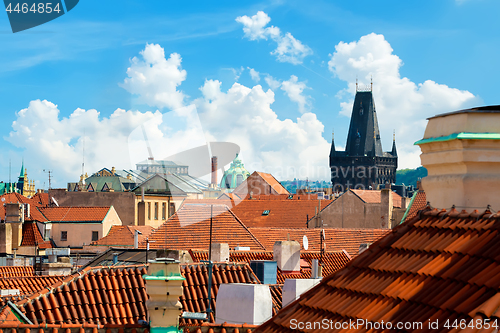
49 172
150 152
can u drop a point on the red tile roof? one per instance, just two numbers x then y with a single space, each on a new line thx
276 185
117 296
75 214
28 285
32 236
332 261
93 296
419 203
189 228
335 239
18 198
41 198
282 213
123 235
374 196
195 292
439 266
14 271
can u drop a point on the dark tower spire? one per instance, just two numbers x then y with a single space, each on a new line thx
364 136
394 152
332 149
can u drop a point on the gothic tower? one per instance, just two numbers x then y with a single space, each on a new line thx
363 164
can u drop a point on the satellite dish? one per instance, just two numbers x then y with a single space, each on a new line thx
305 242
324 237
55 202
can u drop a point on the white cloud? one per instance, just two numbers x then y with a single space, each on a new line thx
401 104
243 115
288 49
272 82
294 90
154 79
254 74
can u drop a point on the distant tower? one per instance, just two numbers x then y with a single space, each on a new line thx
363 164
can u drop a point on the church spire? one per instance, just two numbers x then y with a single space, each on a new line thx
394 152
332 148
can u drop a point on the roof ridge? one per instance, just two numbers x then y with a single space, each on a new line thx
246 228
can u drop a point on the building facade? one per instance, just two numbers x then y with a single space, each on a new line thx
363 164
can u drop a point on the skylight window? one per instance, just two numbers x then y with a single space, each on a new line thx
266 212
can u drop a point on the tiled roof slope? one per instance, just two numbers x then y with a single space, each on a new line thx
41 198
276 185
93 296
335 239
28 285
418 204
32 236
189 228
123 235
195 291
438 266
14 271
75 214
18 198
117 296
282 213
332 261
374 196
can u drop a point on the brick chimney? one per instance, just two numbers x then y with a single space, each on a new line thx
461 151
214 170
386 207
164 286
287 255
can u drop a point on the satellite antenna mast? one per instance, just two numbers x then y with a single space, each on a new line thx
150 152
49 172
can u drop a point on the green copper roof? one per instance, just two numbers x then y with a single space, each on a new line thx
235 175
461 136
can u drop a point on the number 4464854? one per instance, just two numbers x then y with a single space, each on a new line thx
36 8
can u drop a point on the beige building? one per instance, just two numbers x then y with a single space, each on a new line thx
77 226
362 209
461 152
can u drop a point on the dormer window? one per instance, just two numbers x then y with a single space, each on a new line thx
266 213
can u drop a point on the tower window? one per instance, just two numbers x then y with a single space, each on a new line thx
361 111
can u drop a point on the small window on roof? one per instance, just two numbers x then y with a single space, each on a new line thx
266 212
290 196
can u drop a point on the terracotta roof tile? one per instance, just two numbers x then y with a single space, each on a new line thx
120 235
439 266
189 228
32 236
15 271
332 261
41 198
419 203
335 239
75 214
374 196
18 198
282 213
28 285
276 185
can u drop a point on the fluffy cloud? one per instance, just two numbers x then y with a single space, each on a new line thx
254 74
401 104
243 115
294 90
288 49
154 79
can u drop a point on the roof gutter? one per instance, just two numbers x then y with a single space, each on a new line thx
461 136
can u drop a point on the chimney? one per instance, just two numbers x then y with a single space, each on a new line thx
59 262
164 287
240 303
293 288
386 207
461 152
220 252
214 170
136 238
287 255
14 216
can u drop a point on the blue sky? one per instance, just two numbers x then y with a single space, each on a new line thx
273 77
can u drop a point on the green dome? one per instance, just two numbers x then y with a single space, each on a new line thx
235 175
